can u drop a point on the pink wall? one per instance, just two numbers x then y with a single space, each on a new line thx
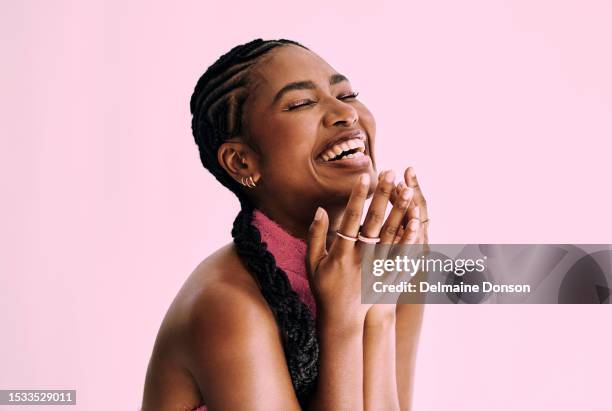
503 107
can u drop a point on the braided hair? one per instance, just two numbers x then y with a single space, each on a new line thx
216 106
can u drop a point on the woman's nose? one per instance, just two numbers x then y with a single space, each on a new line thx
340 113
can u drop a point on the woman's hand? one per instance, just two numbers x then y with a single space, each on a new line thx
335 275
335 280
401 228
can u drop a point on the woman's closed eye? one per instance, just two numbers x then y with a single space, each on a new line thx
349 96
300 103
308 102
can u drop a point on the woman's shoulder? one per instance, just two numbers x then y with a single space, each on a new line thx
218 320
220 299
221 284
221 272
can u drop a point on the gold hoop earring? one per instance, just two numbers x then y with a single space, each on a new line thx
251 182
248 182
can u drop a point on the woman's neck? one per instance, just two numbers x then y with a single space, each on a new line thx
297 224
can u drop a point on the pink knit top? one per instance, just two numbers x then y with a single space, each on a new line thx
289 253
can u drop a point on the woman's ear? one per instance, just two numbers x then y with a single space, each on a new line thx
239 161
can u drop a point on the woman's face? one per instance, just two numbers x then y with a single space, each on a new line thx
313 136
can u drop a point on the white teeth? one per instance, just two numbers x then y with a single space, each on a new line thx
338 149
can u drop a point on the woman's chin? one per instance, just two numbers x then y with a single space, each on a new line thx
343 173
339 191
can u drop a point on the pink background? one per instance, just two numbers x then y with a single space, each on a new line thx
504 108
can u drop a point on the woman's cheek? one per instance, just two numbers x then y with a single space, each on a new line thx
368 121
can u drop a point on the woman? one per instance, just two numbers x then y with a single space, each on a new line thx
274 321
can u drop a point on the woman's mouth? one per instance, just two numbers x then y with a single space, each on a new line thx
345 150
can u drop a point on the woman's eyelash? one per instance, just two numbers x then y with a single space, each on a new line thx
302 103
354 94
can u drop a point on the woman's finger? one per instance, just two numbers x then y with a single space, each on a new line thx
351 219
393 224
413 226
376 212
396 192
419 199
411 233
317 236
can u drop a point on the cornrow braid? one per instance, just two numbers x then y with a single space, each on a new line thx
216 105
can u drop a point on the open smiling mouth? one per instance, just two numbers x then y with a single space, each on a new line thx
348 149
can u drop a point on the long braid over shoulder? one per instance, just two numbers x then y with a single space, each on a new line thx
216 105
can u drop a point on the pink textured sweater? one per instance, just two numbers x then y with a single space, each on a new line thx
289 253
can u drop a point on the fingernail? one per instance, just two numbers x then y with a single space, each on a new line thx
389 176
318 214
364 179
411 172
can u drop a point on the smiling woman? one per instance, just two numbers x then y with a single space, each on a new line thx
274 320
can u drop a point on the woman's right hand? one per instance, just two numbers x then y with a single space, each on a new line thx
335 274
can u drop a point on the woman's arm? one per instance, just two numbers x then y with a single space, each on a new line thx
380 384
334 281
340 381
235 352
409 318
237 359
332 275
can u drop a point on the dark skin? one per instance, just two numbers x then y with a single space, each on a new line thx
219 343
292 139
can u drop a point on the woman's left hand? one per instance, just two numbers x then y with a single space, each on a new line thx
418 200
382 313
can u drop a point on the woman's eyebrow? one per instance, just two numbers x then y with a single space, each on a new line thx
307 85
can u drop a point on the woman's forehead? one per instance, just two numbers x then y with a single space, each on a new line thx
289 64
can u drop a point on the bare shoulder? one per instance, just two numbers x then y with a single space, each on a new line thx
218 323
218 287
219 296
222 297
